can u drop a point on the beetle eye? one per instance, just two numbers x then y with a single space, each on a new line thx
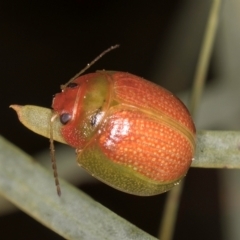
72 85
65 118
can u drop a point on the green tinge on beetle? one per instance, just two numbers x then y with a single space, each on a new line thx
120 177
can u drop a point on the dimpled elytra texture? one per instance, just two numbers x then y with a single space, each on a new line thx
144 94
149 147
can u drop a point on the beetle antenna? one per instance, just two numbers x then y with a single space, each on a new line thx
90 64
52 151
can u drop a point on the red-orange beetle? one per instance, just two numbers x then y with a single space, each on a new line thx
130 133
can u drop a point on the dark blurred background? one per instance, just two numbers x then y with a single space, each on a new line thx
44 43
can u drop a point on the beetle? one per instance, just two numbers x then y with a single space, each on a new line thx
128 132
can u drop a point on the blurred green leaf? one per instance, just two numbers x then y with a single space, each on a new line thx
74 215
214 149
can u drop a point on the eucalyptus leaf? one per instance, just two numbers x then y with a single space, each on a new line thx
217 149
73 215
214 149
37 119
